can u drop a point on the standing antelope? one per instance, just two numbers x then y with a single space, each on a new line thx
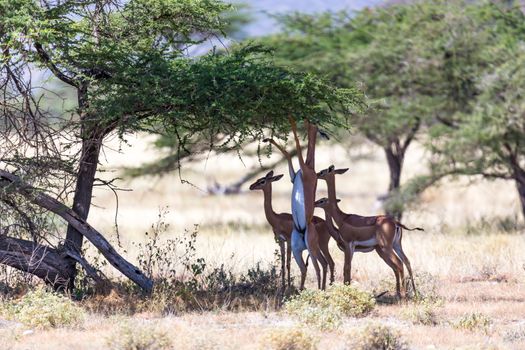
304 234
282 226
382 233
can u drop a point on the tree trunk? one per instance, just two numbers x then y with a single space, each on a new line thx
520 185
395 156
12 183
83 194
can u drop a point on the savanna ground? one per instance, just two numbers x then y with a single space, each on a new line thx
469 263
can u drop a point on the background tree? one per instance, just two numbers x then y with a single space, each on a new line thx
127 63
490 141
380 49
420 64
478 47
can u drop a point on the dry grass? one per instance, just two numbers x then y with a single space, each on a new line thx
465 261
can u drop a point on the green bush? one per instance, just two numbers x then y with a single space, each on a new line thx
44 309
289 339
139 337
377 337
474 321
325 309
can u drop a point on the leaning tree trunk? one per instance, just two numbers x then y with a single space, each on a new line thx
395 156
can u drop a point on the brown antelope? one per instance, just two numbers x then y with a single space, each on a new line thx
382 233
282 226
304 233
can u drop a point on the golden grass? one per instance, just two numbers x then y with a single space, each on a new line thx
482 271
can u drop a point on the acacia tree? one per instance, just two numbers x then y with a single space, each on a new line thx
127 63
490 141
477 128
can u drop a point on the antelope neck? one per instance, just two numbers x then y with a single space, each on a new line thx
271 216
336 213
328 217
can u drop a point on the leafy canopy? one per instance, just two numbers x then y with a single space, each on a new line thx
129 58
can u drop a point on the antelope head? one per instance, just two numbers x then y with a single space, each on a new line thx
323 203
265 181
330 171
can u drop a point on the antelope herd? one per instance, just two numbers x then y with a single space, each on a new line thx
301 230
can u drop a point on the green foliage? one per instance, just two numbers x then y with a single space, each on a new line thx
489 140
241 94
128 61
135 336
375 336
474 321
289 339
326 309
43 309
379 49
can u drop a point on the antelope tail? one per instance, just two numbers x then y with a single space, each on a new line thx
409 229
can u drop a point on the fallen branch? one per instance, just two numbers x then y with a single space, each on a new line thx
12 183
42 261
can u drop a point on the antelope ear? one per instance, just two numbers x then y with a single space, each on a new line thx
277 177
270 174
338 200
341 171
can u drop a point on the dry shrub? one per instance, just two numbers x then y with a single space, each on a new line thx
375 336
473 321
136 336
515 334
326 309
289 339
423 312
44 309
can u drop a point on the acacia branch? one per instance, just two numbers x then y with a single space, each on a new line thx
53 68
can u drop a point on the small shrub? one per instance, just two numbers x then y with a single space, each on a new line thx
377 337
139 337
289 339
43 309
516 334
421 313
325 309
474 321
427 287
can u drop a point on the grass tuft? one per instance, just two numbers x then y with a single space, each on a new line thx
135 336
375 336
473 321
326 309
43 309
289 339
